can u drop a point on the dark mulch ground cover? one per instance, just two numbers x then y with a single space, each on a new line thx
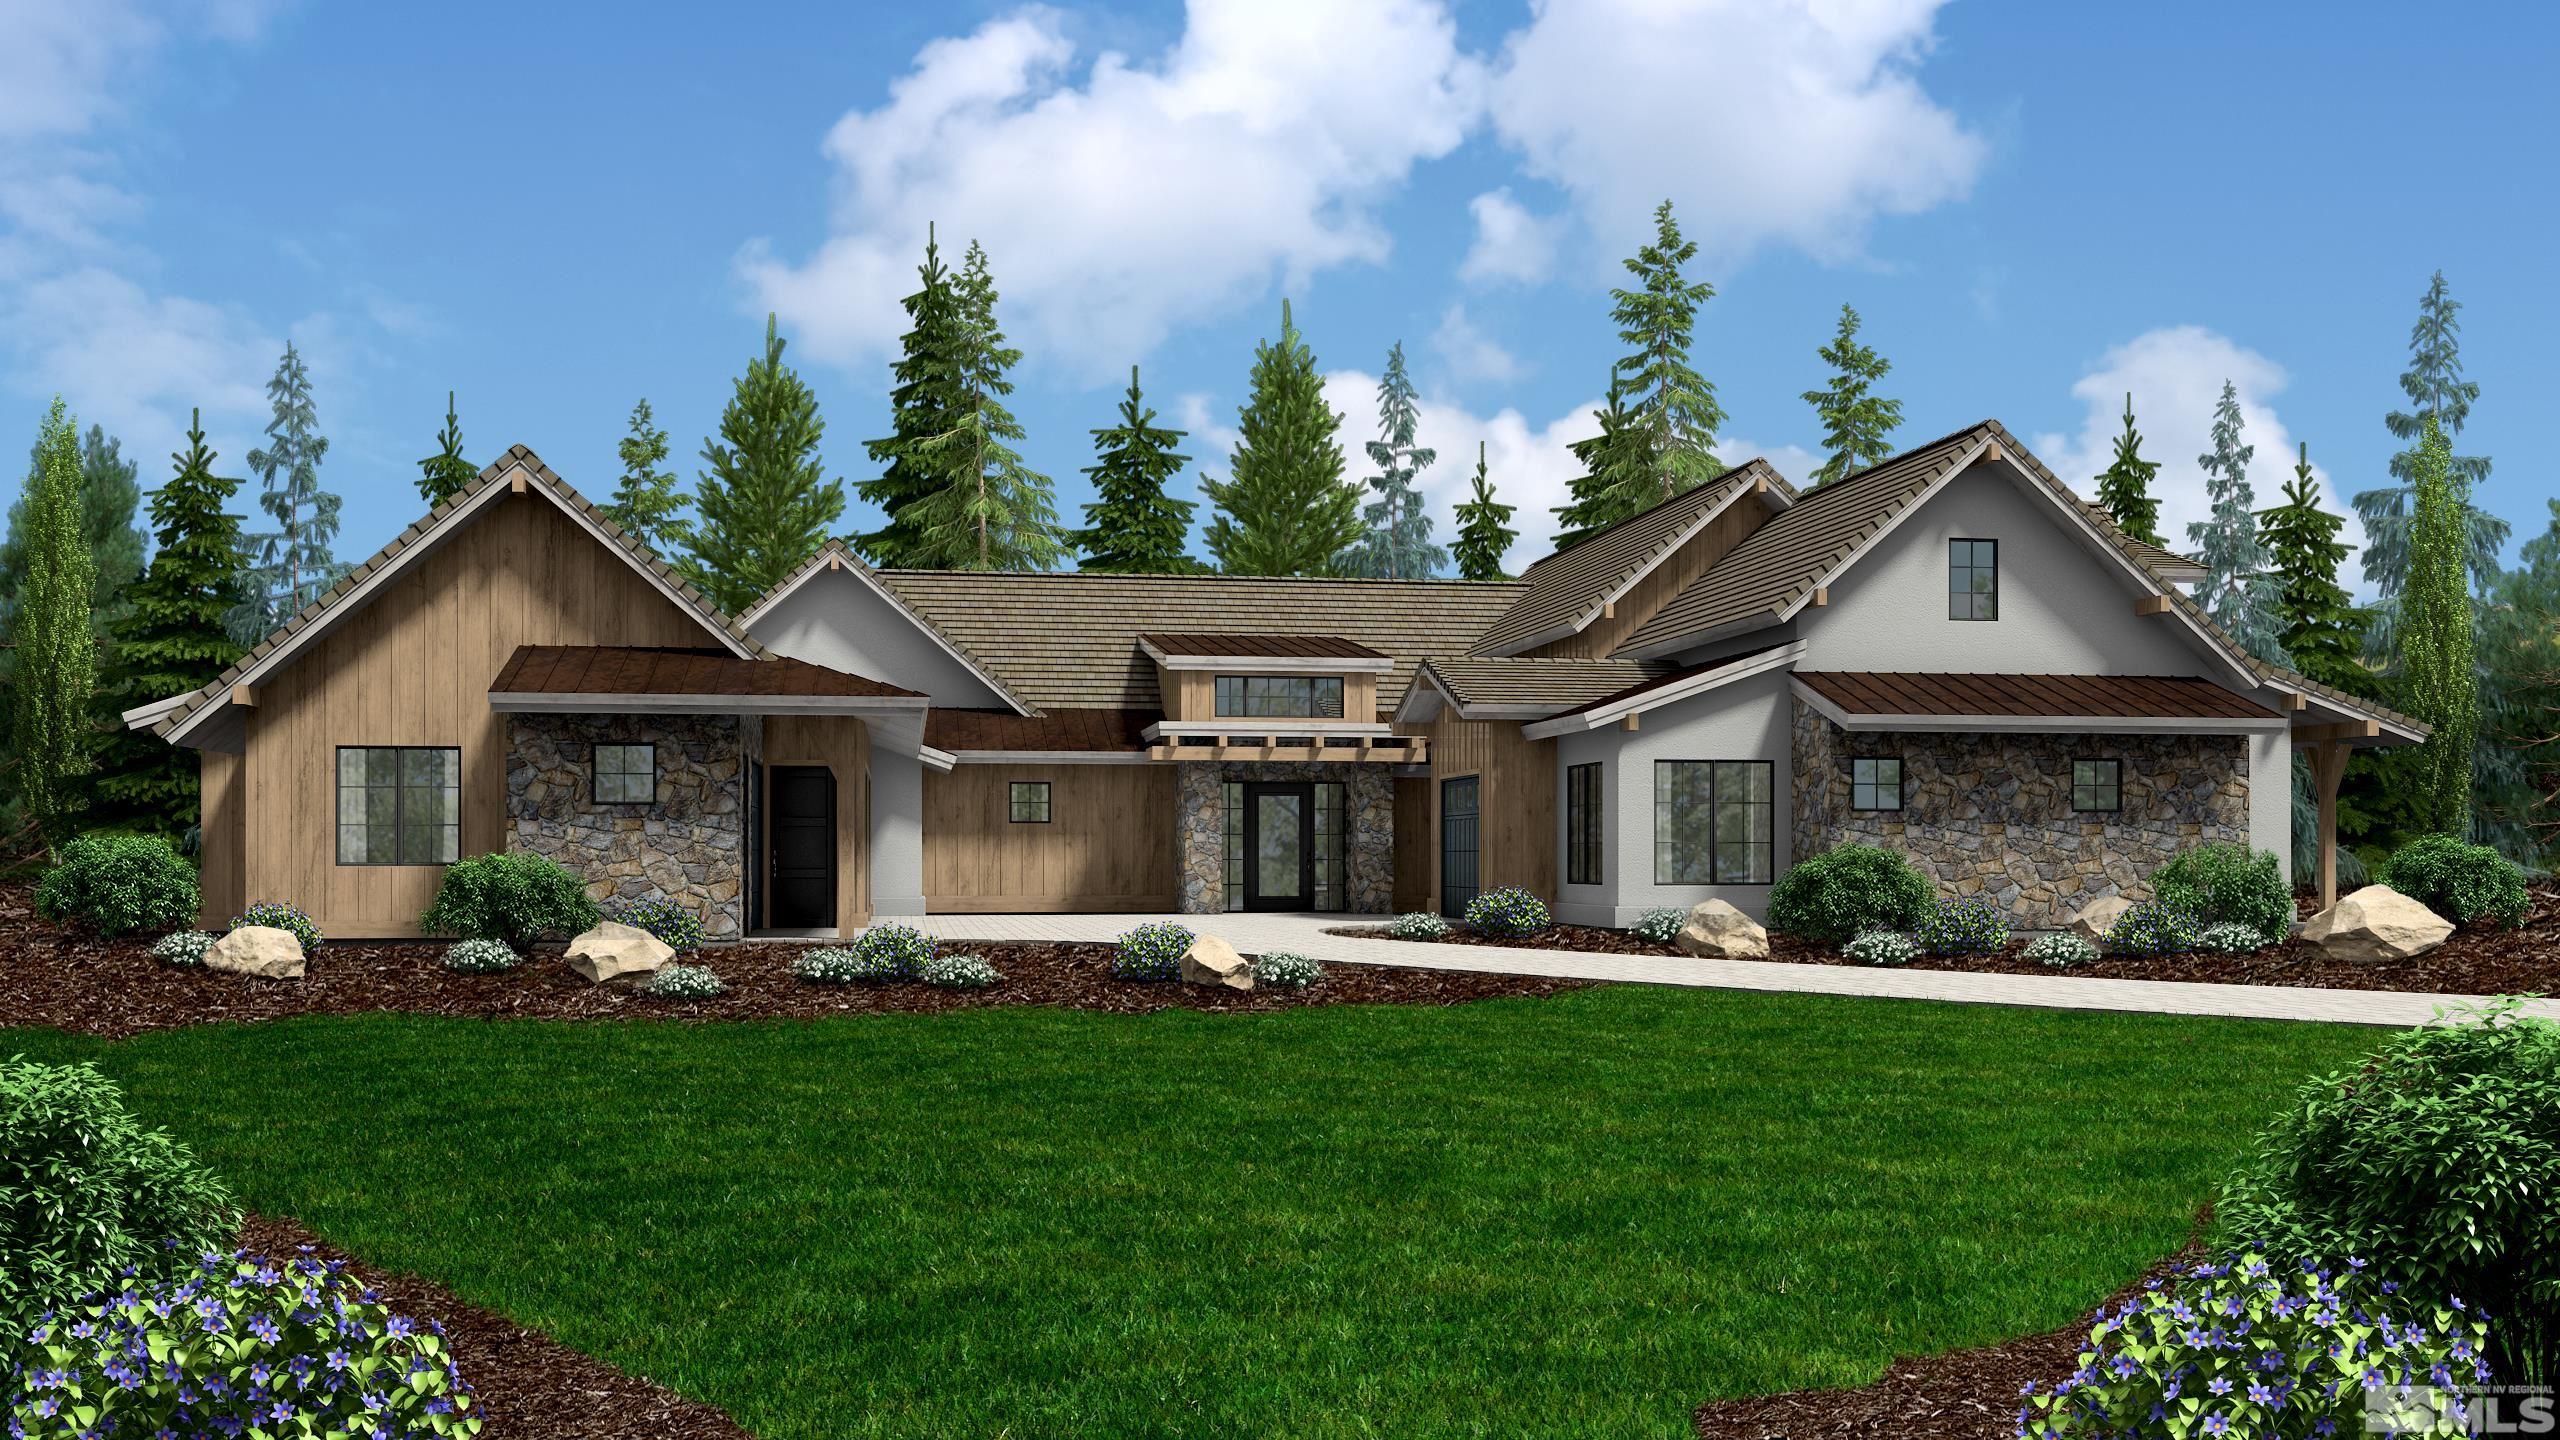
2476 961
530 1386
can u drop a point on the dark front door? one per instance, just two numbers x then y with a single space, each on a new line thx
1279 849
803 825
1457 844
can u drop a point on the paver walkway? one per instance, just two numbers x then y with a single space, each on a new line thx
1305 934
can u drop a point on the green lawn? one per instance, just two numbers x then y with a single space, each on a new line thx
1573 1217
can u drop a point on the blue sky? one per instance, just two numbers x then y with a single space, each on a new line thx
558 209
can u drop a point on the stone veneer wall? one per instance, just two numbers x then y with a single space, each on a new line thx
1991 814
1369 800
687 847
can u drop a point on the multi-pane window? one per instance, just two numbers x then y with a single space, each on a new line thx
1582 824
1231 805
1875 783
626 774
1973 579
1713 822
1027 802
2097 784
1330 813
399 805
1280 697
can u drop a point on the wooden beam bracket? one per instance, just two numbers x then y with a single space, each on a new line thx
2151 605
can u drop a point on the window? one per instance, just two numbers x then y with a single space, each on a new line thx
1582 824
1331 812
399 805
626 774
1027 802
1973 579
1712 822
2097 784
1875 784
1280 697
1231 805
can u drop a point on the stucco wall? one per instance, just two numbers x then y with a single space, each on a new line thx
685 847
897 833
836 620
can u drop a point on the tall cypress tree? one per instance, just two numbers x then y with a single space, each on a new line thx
443 474
2124 487
988 510
170 641
2316 622
2436 638
925 403
2437 391
645 501
1601 496
2236 590
1283 509
50 694
763 495
1133 527
295 565
1397 545
1484 528
111 492
1857 425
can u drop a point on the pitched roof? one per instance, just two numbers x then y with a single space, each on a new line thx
313 618
1071 640
836 554
2126 697
1080 730
1544 683
654 670
1261 646
1566 590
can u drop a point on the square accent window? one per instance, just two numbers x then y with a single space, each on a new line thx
2097 784
1582 824
626 774
1714 822
1027 802
1875 784
1973 579
399 805
1279 697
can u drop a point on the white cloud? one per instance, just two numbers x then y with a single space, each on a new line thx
136 362
1765 123
1469 354
1794 462
1511 243
1142 195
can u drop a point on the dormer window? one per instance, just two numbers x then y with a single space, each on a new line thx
1973 579
1280 697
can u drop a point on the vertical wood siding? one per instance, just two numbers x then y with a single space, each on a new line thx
1109 843
1515 800
842 743
1668 579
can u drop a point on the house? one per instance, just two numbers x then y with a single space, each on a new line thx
1949 653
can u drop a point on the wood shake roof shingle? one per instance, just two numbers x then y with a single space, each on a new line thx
1554 684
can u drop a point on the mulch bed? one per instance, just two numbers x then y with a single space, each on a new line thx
530 1386
2476 961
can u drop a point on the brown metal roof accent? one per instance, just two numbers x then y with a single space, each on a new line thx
646 670
1261 646
1071 640
1566 589
1521 680
1095 730
2030 697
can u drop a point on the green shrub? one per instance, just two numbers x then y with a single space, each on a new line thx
1509 913
1847 889
2061 950
2151 928
2466 884
1661 926
685 982
959 972
240 1346
1881 947
680 929
1963 925
117 883
2438 1160
481 957
1150 952
1418 925
1285 971
86 1192
516 897
896 952
2228 885
277 915
183 948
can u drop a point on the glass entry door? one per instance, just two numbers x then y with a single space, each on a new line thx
1457 844
1279 857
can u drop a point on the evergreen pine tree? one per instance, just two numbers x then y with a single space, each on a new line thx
925 403
1283 509
763 497
2236 590
50 694
1484 528
1133 527
645 501
988 510
1397 545
2436 634
1673 405
170 641
1857 426
443 474
294 565
2316 622
2437 390
1616 475
2124 487
2516 794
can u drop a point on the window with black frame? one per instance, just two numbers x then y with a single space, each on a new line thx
626 774
1279 697
1973 579
399 805
2097 785
1875 783
1027 802
1714 822
1582 824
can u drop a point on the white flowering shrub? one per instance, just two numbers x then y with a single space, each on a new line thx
2061 950
1287 971
686 982
1418 925
2231 938
1661 926
184 949
481 957
836 965
1881 947
959 972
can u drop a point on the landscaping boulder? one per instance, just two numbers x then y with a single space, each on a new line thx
1717 931
260 950
613 950
2098 917
1212 961
2376 923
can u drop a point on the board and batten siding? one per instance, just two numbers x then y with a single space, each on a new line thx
1109 843
1665 580
841 743
412 667
1515 800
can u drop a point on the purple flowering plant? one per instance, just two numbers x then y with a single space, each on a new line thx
1509 913
2246 1346
241 1346
1963 925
